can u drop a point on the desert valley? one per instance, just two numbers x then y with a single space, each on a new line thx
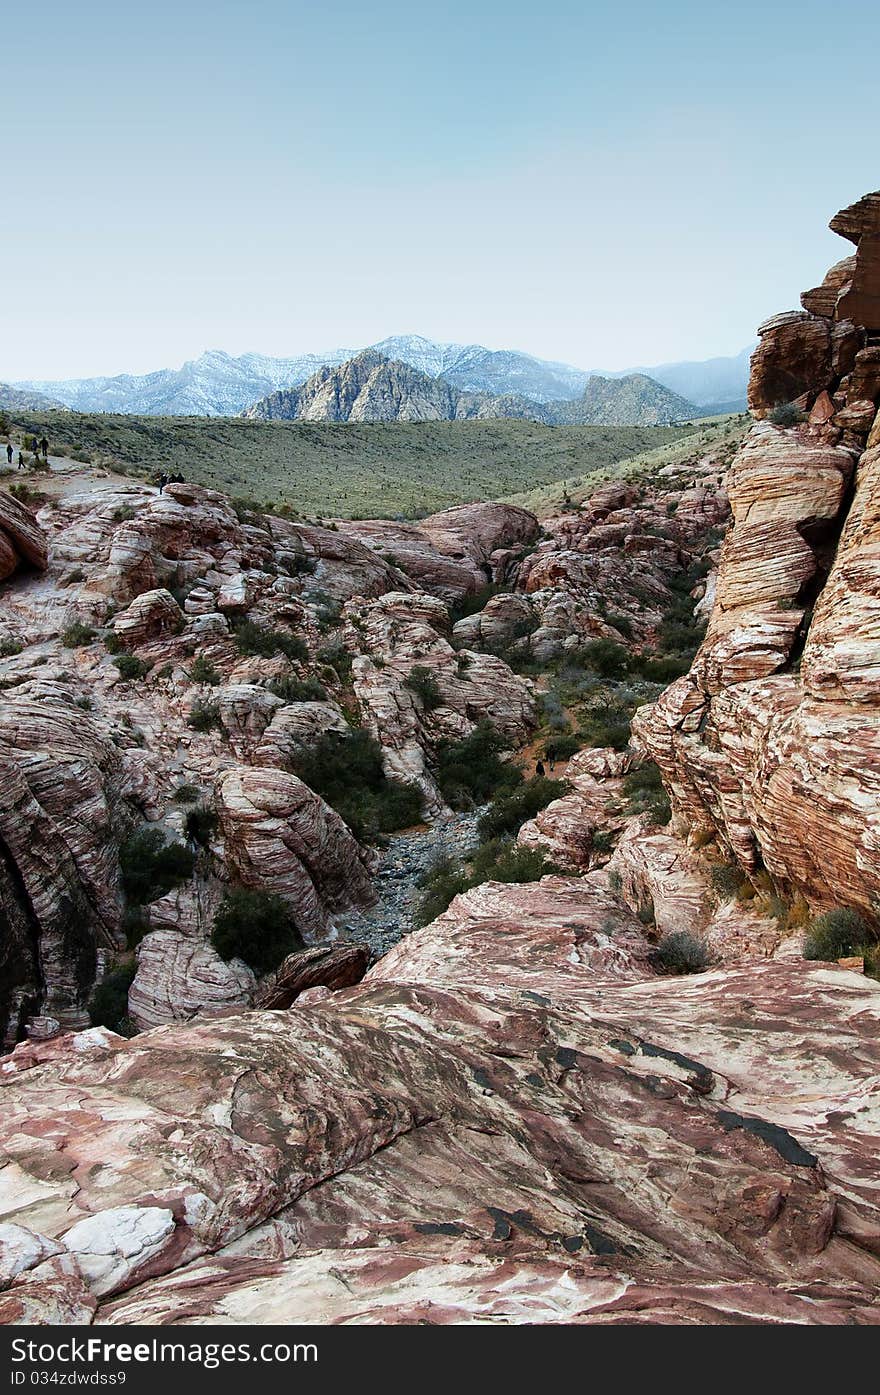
440 840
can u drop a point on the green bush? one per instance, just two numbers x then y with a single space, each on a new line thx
422 682
604 656
291 689
726 879
337 657
345 769
203 671
256 926
10 647
130 666
186 794
472 770
76 635
108 1006
151 867
498 860
609 726
786 414
644 793
508 812
204 716
200 824
682 953
837 934
112 642
257 641
563 746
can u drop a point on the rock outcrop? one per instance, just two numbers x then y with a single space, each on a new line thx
511 1119
771 741
22 542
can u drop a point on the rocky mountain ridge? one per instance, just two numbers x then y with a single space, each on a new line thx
371 387
218 384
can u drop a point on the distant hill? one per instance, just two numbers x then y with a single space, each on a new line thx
371 387
14 399
218 384
714 385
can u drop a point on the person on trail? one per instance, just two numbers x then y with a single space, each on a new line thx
44 447
163 480
539 770
8 454
20 461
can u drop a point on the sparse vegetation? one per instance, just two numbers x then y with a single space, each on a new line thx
204 716
345 769
786 414
644 793
291 689
256 926
498 860
837 934
108 1006
151 867
510 810
472 770
422 682
252 640
76 635
203 671
682 953
131 667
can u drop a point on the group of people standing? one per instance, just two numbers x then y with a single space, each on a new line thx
40 447
169 479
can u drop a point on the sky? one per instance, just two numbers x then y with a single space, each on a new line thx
604 184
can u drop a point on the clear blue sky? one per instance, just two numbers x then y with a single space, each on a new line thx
603 183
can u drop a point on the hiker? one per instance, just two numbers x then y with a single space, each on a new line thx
44 447
163 480
8 454
176 479
20 461
539 770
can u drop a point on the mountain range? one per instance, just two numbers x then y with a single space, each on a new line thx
372 387
218 384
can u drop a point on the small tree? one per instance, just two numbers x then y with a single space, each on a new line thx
422 682
837 934
256 926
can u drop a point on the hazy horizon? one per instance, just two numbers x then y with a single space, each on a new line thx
579 184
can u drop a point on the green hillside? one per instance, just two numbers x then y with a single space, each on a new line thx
345 469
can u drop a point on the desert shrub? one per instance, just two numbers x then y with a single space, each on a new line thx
785 414
151 867
204 716
621 623
563 746
509 811
9 648
256 926
200 824
124 514
422 682
609 726
337 657
130 666
501 860
186 794
258 641
644 793
663 669
498 860
836 935
112 642
726 879
682 953
604 656
135 924
603 841
291 689
108 1006
470 771
203 671
345 769
76 635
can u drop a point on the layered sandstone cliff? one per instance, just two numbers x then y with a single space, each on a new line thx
772 740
